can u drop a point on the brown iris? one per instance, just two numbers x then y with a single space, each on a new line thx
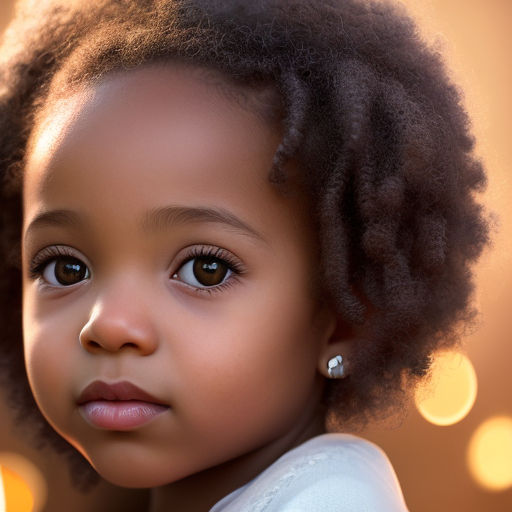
69 270
209 271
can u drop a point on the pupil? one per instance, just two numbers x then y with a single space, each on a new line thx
209 271
69 270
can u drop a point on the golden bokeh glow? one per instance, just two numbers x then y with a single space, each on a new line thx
17 494
489 454
22 485
451 393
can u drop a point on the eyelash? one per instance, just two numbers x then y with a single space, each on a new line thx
45 256
48 254
224 257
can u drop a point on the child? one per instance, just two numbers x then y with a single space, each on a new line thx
239 226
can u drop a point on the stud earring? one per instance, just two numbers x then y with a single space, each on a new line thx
335 367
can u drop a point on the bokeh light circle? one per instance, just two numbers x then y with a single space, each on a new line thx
451 393
489 454
23 488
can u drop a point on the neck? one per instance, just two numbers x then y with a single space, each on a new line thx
199 492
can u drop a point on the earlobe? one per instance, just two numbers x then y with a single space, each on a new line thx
337 343
339 339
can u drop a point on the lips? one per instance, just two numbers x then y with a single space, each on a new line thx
118 391
121 406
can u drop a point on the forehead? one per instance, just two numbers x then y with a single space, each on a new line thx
125 96
154 110
161 132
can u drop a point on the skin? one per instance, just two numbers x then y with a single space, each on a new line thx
241 365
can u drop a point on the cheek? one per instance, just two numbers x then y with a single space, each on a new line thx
252 368
49 360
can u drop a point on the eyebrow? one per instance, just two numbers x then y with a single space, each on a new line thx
156 219
54 218
159 218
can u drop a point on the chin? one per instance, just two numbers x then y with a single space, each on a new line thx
136 472
131 479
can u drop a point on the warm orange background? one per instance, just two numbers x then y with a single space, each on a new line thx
476 40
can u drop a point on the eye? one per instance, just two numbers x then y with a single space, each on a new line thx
65 271
58 267
204 271
209 269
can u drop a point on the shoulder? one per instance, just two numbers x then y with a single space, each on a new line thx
344 473
329 473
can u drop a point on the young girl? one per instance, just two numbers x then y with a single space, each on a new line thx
239 226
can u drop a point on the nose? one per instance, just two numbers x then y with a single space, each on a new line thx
119 320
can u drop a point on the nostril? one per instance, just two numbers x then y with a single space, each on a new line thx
95 345
133 345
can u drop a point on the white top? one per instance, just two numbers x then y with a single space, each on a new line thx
328 473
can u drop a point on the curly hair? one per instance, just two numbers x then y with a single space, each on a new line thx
370 115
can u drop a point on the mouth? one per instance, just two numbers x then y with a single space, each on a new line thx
119 406
118 391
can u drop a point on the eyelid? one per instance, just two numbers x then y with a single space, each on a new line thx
233 263
206 250
49 253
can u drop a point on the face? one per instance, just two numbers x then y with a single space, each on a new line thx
156 252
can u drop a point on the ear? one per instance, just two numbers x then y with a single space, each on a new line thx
337 338
340 338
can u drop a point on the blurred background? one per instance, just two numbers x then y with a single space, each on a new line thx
453 452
